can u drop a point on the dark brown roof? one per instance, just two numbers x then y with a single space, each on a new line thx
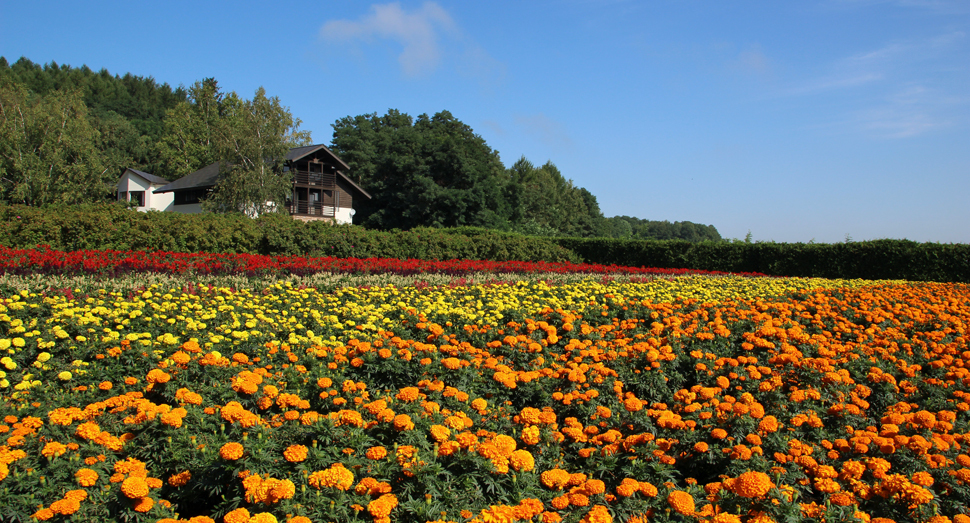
299 152
150 178
204 177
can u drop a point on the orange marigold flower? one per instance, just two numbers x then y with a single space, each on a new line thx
682 502
336 477
479 404
555 478
157 376
408 394
240 515
231 451
522 460
719 433
598 514
752 484
134 487
177 480
530 435
376 453
144 504
295 453
86 477
382 506
725 517
402 423
53 449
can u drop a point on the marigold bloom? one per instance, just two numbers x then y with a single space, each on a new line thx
144 504
522 460
682 502
295 453
752 484
231 451
240 515
86 477
134 487
555 478
402 423
53 449
336 477
376 453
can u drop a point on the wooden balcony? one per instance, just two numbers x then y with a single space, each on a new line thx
312 209
314 179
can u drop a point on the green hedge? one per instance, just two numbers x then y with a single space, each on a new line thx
112 226
877 259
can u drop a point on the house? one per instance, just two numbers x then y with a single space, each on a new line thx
321 189
138 187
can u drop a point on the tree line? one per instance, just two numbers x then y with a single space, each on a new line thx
67 133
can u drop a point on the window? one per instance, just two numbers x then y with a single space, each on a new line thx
137 198
122 196
190 196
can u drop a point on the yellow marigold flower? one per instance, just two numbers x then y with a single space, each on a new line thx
231 451
295 453
522 460
64 376
86 477
682 502
752 484
134 487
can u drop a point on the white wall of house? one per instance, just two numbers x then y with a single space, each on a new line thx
134 187
344 215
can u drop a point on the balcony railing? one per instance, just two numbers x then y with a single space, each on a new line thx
311 178
305 208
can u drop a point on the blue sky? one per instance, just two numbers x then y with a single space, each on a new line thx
810 120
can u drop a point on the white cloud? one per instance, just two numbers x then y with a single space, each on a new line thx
427 36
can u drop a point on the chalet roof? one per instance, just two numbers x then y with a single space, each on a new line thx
150 178
208 176
299 152
204 177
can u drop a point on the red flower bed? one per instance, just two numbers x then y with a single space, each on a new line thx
43 260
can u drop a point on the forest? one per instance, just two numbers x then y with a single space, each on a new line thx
66 134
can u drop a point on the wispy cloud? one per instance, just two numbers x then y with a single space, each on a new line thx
545 129
751 60
426 36
901 89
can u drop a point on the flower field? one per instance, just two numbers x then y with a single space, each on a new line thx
629 398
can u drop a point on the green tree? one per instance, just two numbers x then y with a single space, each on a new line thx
430 171
547 201
251 141
191 131
49 151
